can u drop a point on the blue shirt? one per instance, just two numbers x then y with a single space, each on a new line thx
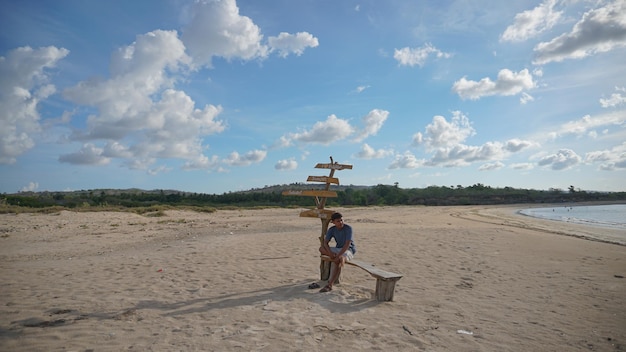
341 237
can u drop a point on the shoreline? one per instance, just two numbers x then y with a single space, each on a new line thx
512 216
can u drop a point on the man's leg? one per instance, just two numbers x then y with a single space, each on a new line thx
324 251
338 266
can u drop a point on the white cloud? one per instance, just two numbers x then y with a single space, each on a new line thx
418 56
159 169
202 162
588 123
139 115
282 142
507 83
522 166
530 23
461 154
599 30
324 132
405 161
561 160
441 133
217 29
515 145
31 187
609 160
445 139
286 164
139 163
89 154
360 89
615 99
525 98
368 152
23 86
117 150
287 43
491 166
251 157
372 123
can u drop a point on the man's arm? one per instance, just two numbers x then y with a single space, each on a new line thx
345 247
326 246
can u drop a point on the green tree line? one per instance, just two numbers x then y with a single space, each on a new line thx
477 194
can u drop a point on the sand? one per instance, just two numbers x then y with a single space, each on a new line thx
475 279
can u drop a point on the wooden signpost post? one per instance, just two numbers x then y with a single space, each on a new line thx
320 202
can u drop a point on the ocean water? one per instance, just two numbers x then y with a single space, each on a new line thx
611 216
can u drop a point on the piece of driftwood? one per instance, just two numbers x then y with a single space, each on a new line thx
385 280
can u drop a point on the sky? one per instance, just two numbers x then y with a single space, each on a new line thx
219 96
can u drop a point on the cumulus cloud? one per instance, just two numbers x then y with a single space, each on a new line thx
287 43
440 133
616 99
418 56
24 84
446 141
324 132
599 30
249 158
561 160
515 145
610 159
335 129
217 29
372 123
508 83
89 154
139 115
461 154
530 23
368 152
405 161
31 187
286 164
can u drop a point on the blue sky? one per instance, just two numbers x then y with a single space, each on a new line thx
222 95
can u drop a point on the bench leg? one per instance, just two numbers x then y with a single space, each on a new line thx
324 270
385 288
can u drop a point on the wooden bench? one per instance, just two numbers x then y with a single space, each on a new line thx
385 280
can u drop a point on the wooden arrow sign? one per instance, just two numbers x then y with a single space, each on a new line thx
324 179
311 193
333 166
317 213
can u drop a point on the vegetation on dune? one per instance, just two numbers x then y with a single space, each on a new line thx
155 202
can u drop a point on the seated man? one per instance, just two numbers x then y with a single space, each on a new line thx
342 252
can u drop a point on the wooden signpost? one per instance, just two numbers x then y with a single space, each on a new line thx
320 202
385 281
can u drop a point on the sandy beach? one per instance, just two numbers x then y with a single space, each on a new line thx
475 279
